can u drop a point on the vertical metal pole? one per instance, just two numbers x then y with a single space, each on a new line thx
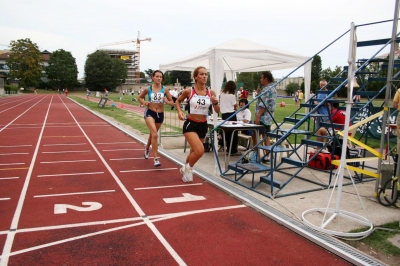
388 89
350 79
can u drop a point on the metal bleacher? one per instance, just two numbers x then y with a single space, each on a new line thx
303 131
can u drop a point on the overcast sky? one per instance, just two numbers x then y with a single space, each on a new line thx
182 27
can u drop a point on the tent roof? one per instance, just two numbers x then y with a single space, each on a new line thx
240 55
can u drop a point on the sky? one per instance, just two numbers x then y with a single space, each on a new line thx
179 28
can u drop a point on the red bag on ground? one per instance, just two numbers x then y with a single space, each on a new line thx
322 161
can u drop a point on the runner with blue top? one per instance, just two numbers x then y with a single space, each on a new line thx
154 112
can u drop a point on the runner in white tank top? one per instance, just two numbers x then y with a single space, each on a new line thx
195 127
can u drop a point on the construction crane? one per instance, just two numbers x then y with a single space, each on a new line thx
137 41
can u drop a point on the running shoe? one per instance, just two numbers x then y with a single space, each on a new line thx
187 174
182 170
157 162
146 153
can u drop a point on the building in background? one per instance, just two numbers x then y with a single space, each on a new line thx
5 70
281 88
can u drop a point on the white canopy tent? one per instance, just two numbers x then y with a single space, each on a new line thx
240 55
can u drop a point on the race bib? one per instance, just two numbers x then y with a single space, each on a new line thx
157 97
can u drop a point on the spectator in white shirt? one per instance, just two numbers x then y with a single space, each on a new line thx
228 106
244 115
174 94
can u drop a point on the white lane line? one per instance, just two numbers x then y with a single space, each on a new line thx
10 163
16 153
17 214
18 105
148 221
63 151
103 143
64 144
11 177
15 124
12 127
186 185
135 205
5 198
90 173
147 170
138 158
96 125
125 150
15 146
77 161
74 193
56 227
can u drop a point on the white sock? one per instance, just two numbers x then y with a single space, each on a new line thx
188 167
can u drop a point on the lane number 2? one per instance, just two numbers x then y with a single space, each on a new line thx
91 206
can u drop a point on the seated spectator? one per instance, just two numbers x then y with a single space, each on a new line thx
244 115
337 117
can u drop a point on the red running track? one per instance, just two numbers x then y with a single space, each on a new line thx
75 190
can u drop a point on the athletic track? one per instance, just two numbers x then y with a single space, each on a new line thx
74 190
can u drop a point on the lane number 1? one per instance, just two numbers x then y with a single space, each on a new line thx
186 197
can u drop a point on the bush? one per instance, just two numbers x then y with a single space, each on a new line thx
10 88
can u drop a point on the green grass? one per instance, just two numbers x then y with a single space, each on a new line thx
120 115
379 239
280 114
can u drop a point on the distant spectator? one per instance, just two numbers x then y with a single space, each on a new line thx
105 92
245 94
301 96
174 94
296 98
323 109
87 93
239 93
228 106
254 94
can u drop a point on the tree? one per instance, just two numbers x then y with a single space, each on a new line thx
247 79
102 71
167 79
62 70
327 74
250 80
316 68
149 72
291 88
119 72
142 75
25 62
183 77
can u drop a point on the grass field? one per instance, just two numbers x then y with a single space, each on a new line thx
280 113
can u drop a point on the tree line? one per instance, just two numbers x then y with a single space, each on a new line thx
25 64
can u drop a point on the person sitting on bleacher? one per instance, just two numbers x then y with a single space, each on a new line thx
337 117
